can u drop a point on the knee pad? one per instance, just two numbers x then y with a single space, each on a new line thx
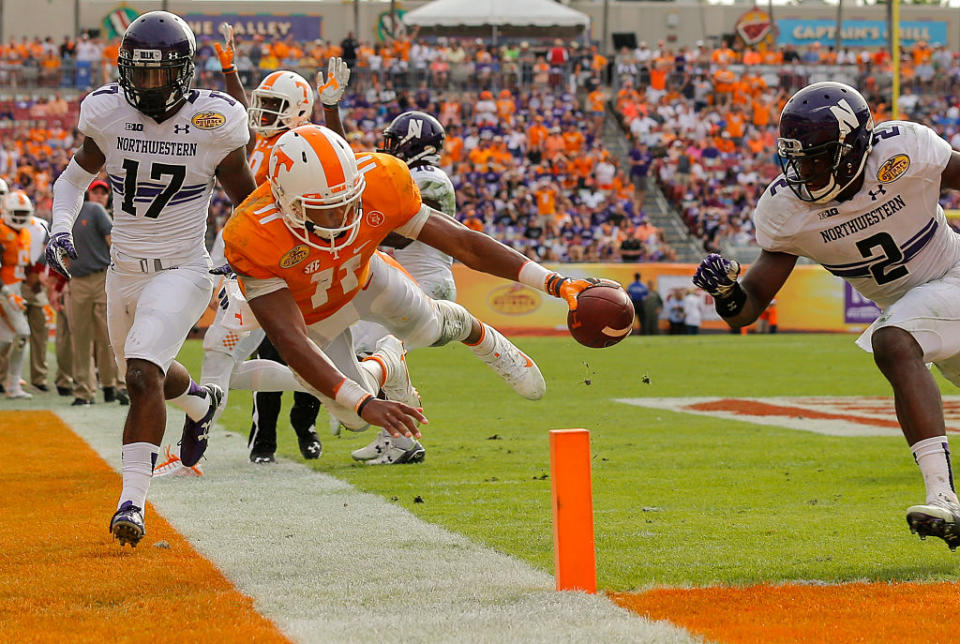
456 322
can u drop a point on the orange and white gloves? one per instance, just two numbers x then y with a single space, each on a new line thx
15 298
331 90
555 284
226 52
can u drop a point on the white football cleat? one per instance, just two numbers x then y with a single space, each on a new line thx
514 366
389 450
396 384
939 518
17 394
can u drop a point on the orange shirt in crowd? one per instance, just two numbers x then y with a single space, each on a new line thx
546 200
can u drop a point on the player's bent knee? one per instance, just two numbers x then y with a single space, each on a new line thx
143 377
455 323
894 347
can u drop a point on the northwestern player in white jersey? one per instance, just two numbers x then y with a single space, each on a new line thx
863 202
163 145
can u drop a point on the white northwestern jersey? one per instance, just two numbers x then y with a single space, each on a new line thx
436 189
39 233
891 236
162 174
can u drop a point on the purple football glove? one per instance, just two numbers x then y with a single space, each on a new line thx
223 269
60 244
717 275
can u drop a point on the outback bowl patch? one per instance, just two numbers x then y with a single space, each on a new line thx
208 120
893 168
294 256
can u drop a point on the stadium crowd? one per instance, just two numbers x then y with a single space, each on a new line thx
524 125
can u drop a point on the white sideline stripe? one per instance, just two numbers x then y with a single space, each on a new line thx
328 563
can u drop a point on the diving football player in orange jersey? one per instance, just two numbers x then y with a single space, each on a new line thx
304 243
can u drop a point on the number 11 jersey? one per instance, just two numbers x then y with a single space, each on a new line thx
162 174
890 236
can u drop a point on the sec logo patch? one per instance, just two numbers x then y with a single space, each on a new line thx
294 256
893 168
208 120
374 218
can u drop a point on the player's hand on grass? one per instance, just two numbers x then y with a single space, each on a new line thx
59 245
717 275
338 75
398 419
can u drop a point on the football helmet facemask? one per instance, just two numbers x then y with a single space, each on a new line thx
415 138
282 101
312 168
17 209
156 62
826 133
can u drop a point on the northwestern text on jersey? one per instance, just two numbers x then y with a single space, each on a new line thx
864 221
142 146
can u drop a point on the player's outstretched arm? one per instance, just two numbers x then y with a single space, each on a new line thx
67 201
483 253
950 177
740 302
234 175
330 91
278 314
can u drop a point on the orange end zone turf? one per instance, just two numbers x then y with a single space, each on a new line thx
63 577
855 612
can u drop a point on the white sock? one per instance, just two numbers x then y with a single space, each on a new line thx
193 401
264 375
933 457
486 343
376 369
139 459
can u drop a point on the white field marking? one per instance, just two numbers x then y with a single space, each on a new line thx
846 415
328 563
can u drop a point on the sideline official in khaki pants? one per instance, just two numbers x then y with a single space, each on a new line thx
86 300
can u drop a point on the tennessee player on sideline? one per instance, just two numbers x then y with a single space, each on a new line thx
863 202
163 145
14 257
304 248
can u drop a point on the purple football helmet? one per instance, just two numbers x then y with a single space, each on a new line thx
415 138
156 62
826 132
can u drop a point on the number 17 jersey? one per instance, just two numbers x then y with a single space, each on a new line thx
162 174
891 236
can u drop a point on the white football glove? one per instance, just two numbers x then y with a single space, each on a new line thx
338 75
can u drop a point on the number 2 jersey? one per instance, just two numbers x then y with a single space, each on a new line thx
890 236
268 257
162 174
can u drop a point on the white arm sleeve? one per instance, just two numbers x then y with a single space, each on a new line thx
411 229
68 196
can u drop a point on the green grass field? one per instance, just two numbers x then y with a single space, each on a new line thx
678 499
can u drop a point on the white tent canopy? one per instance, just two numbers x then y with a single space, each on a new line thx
511 14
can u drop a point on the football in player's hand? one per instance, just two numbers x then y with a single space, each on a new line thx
604 316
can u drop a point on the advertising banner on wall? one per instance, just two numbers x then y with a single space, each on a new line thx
811 300
858 33
856 308
271 26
